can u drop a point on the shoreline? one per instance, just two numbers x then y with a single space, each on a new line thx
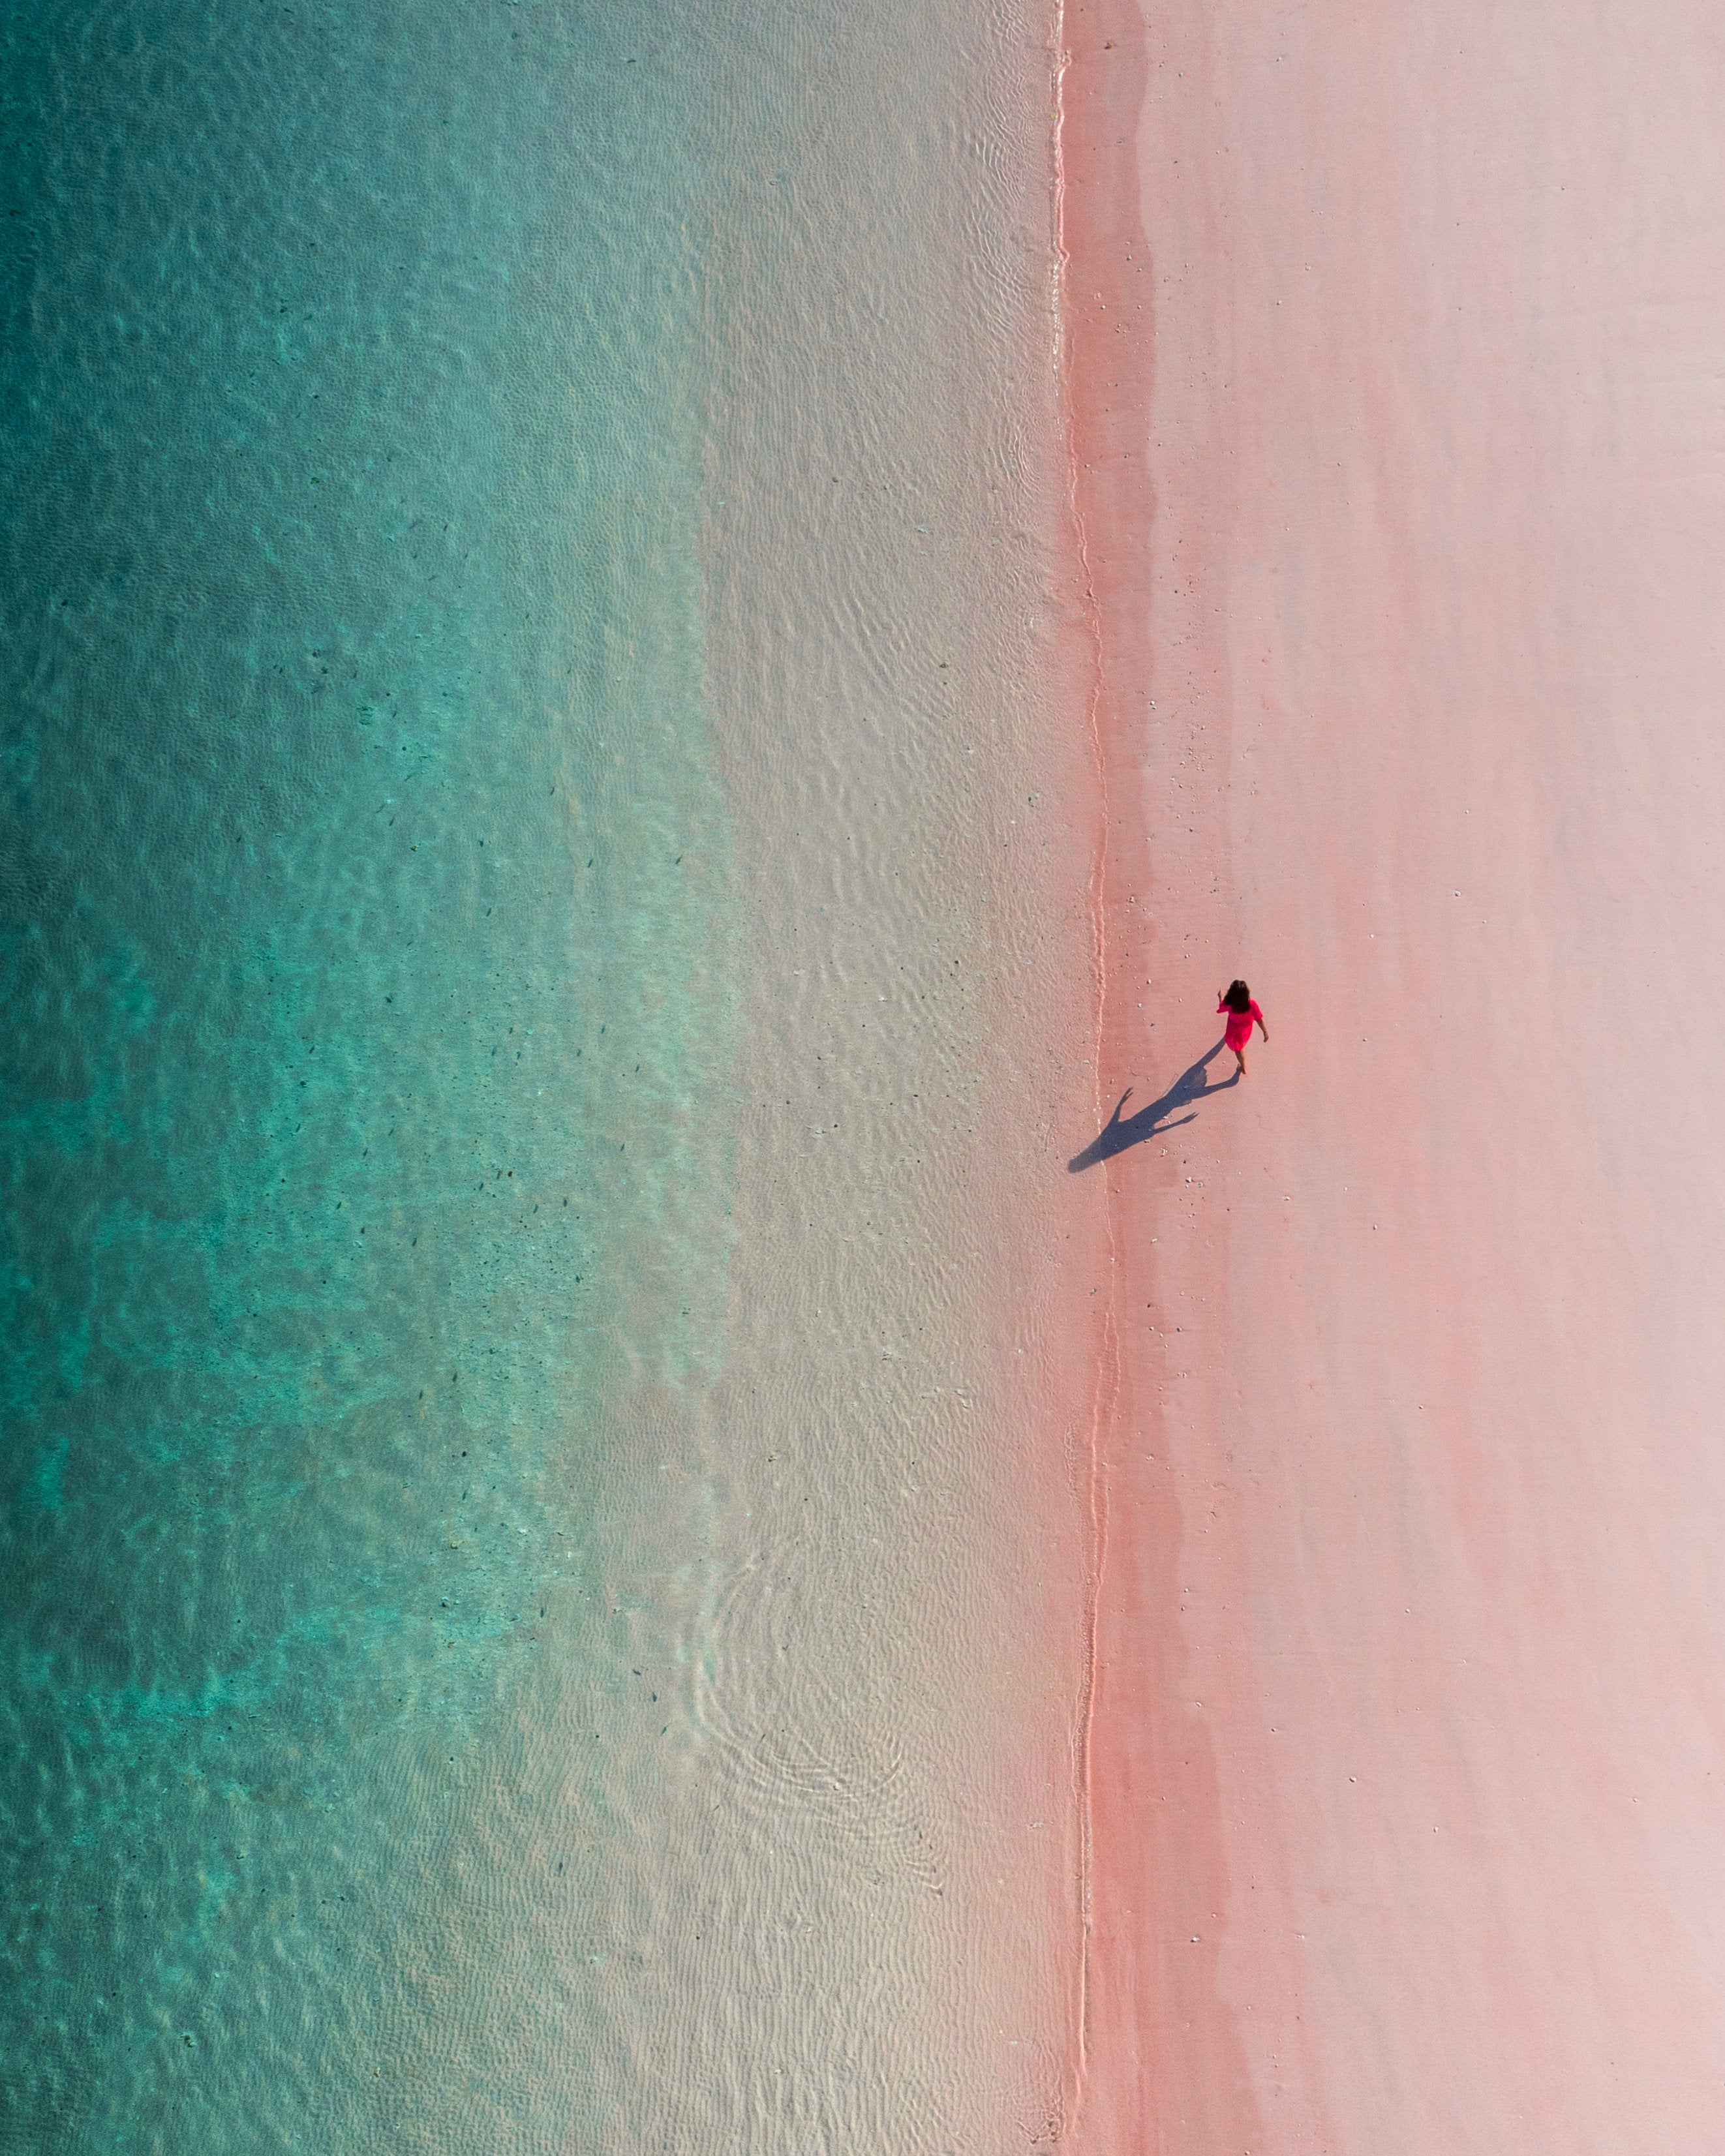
894 1446
1153 1793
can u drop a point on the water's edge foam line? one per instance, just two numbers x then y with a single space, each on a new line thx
1105 1388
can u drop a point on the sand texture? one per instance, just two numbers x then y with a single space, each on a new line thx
1394 339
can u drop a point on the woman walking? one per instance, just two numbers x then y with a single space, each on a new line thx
1243 1013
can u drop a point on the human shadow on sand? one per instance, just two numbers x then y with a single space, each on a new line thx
1121 1131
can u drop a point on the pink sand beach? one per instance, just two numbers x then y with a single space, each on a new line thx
1394 345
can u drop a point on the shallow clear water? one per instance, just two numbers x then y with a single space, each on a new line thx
366 964
519 600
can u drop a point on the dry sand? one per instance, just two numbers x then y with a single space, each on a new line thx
1395 337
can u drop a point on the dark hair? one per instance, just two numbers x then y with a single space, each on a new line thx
1239 999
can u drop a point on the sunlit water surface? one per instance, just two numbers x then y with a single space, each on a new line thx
376 966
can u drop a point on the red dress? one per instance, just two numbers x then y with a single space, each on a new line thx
1240 1022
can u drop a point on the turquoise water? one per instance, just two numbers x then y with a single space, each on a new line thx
369 966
